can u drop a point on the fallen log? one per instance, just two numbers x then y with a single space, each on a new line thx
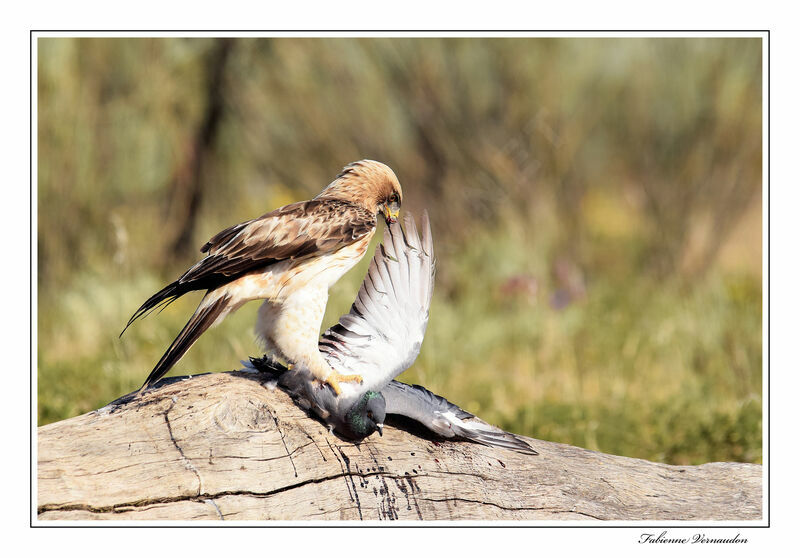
226 446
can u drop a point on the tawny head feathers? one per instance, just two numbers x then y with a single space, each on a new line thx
369 184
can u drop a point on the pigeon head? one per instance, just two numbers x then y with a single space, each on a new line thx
365 417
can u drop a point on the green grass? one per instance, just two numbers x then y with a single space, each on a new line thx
639 367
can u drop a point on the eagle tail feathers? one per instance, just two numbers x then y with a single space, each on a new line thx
163 298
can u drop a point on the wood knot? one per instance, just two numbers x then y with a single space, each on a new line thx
243 416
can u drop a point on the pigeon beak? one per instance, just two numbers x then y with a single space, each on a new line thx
380 429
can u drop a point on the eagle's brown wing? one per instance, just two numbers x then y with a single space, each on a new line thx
291 232
294 231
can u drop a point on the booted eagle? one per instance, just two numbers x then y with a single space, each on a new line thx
289 258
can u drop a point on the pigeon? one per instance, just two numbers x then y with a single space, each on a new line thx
379 339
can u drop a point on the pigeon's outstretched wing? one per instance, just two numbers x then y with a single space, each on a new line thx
448 420
380 338
382 334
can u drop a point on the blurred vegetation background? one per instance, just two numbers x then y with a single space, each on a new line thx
596 206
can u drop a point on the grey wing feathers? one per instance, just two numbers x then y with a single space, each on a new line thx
447 419
422 405
382 334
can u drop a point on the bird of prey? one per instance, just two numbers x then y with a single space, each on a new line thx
380 338
289 258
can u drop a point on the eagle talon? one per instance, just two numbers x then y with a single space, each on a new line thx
334 379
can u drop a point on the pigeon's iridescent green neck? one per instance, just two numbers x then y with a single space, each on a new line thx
366 398
357 419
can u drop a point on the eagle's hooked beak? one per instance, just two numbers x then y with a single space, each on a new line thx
380 429
390 214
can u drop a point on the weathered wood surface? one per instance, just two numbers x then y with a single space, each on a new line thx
224 446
